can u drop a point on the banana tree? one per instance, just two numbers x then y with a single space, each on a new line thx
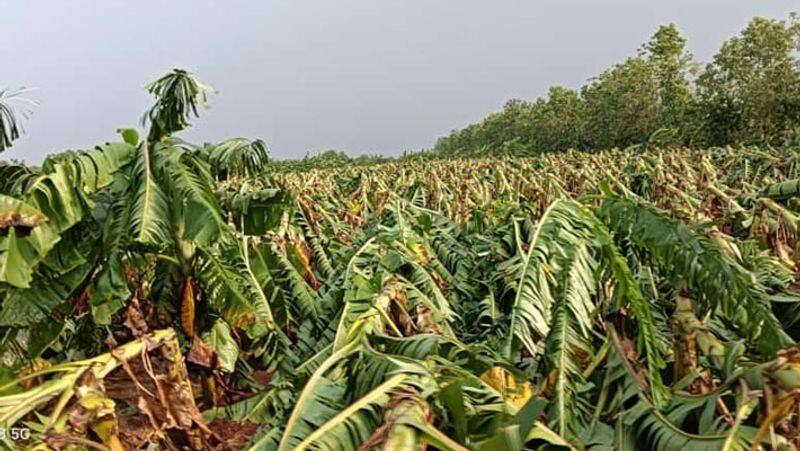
14 108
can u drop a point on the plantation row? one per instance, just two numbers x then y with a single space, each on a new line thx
683 181
196 297
154 293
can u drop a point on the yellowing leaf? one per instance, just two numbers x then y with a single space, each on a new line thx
504 382
187 307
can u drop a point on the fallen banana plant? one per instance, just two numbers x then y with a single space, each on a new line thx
608 300
84 396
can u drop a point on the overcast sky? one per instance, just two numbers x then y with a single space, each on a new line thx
363 76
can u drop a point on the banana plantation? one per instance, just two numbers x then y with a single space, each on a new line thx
158 294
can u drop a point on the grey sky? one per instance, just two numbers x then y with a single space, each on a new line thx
363 76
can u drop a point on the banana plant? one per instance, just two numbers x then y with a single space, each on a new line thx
584 301
14 108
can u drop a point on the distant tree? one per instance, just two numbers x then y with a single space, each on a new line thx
466 140
331 157
550 123
750 92
514 122
650 92
622 105
673 67
559 120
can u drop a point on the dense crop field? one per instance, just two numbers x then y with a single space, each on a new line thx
500 291
202 297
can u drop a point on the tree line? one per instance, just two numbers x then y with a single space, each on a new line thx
748 94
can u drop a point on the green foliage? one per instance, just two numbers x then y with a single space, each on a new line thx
13 108
621 105
748 94
178 95
327 159
237 157
220 339
601 300
462 304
